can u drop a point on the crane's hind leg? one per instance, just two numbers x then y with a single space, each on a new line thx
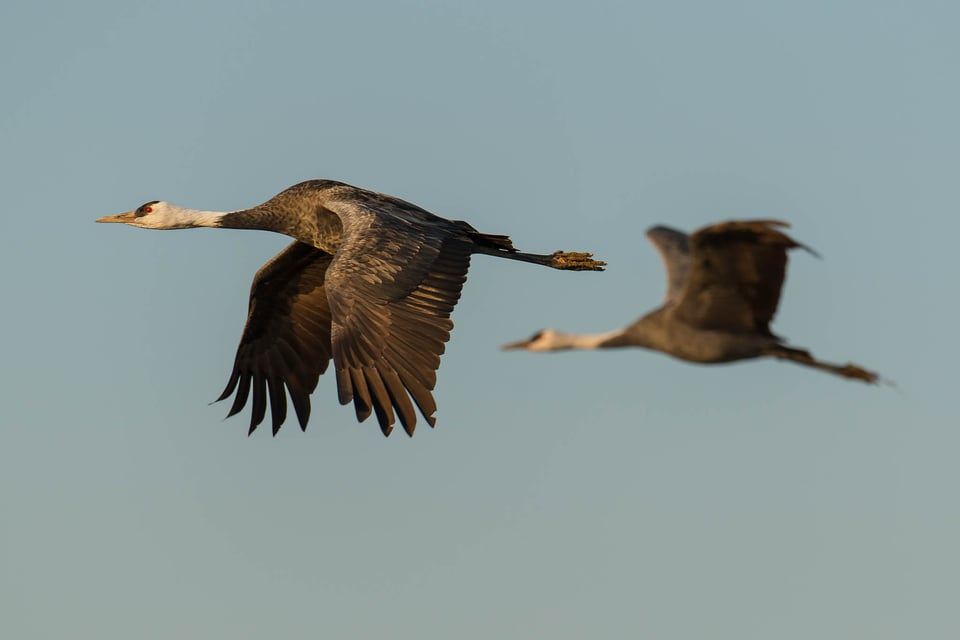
801 356
500 246
564 260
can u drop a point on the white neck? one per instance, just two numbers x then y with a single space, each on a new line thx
556 341
163 215
181 217
208 218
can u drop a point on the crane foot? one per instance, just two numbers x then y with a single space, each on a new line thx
570 261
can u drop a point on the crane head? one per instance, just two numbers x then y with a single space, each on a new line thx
156 214
544 340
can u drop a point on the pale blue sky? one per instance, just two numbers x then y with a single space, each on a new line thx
561 496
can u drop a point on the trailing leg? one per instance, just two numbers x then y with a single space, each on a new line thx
564 260
801 356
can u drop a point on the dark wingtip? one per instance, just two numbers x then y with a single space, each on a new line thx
811 251
237 406
301 406
362 410
231 385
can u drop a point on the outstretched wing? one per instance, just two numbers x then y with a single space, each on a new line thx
736 274
286 341
674 249
392 286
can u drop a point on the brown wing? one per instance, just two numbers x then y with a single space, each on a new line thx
286 341
674 249
392 287
736 274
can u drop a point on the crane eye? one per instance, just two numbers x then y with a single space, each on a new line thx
144 209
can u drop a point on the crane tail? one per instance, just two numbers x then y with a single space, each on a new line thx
491 241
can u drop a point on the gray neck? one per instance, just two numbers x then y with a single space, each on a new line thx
647 332
311 225
258 219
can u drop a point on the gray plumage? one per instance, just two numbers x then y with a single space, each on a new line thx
723 288
370 282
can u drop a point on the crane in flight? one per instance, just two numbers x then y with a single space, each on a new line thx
370 282
723 287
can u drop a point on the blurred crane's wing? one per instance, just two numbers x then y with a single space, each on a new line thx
674 249
736 273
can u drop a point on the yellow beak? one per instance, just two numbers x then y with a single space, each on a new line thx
126 216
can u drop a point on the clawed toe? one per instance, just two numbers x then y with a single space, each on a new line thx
574 261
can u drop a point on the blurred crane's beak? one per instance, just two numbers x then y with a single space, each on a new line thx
515 345
126 216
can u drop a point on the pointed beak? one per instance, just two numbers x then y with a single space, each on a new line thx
513 346
124 217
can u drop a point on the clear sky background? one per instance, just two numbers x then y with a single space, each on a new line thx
575 495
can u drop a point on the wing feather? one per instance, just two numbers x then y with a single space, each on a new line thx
278 402
259 410
392 287
243 391
379 307
674 249
285 345
361 394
